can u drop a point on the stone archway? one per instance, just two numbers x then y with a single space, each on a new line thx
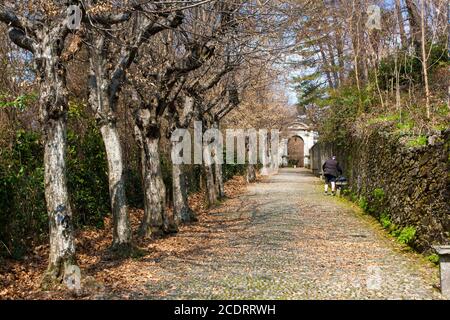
301 131
296 151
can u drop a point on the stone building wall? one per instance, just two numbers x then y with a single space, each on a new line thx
408 184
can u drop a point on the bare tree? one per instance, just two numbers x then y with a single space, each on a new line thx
181 117
400 21
165 85
415 25
198 41
424 58
111 57
43 33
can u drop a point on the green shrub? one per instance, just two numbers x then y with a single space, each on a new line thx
384 118
292 163
406 235
410 66
405 127
87 177
385 221
443 111
378 193
394 231
231 170
20 102
346 192
194 176
342 108
440 127
434 258
134 190
417 141
23 215
362 203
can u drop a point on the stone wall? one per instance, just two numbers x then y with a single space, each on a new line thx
408 184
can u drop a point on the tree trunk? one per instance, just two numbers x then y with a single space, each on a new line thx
62 244
358 86
53 111
401 25
425 60
264 154
326 66
218 169
378 88
443 18
340 56
182 212
414 22
208 167
116 176
210 185
397 85
219 181
103 106
333 64
156 221
273 164
251 173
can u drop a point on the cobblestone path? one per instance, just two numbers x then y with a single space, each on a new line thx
284 239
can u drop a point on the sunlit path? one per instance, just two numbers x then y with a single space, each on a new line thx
289 241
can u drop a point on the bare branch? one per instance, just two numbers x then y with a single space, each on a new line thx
19 38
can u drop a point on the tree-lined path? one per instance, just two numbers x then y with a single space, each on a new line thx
283 239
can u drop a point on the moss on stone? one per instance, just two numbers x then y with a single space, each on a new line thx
378 193
434 258
417 142
406 235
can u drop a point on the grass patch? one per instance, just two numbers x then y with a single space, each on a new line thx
362 203
407 235
442 110
405 127
440 127
384 118
434 258
417 142
404 235
385 221
378 193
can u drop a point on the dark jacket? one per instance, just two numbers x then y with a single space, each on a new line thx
332 168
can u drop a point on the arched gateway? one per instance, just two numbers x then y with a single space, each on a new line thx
296 151
297 138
